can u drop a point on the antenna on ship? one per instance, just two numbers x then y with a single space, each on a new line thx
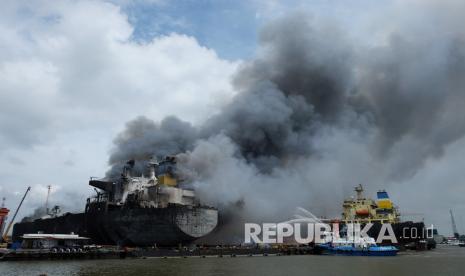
3 202
46 200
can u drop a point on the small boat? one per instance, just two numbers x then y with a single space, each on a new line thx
365 246
346 250
455 242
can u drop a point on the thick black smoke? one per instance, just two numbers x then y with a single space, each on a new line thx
316 112
38 213
143 139
298 83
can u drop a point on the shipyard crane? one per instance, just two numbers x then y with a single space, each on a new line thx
454 226
5 234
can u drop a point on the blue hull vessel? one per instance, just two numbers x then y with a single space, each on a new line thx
347 250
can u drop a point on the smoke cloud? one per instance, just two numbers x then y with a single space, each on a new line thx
143 139
316 112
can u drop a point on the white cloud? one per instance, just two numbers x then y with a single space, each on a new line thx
70 77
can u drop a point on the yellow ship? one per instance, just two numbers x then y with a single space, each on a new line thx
366 210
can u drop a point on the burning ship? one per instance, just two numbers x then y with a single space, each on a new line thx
134 211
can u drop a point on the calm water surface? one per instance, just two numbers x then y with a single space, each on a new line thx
442 261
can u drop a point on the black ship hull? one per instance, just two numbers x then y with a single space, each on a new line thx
406 233
169 226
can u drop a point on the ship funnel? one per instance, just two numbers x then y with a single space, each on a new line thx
384 202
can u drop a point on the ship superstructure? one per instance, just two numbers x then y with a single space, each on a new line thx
158 190
365 210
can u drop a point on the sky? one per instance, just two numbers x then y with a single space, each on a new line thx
72 73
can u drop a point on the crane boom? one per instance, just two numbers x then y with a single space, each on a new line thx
454 226
5 234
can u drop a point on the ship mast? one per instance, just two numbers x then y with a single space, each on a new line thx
359 190
46 200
